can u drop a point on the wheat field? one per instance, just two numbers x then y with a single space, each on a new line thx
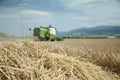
71 59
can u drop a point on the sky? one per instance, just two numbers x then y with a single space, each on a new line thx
17 16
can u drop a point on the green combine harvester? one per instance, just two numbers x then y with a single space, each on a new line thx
45 34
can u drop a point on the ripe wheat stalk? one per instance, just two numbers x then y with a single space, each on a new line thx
66 60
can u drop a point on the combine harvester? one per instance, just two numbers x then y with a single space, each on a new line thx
45 34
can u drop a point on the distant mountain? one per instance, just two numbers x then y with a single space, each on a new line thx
99 31
61 34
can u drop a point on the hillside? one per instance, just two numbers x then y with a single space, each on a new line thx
99 31
3 35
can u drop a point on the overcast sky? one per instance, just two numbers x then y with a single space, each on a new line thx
65 15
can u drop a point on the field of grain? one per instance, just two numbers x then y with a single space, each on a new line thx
72 59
